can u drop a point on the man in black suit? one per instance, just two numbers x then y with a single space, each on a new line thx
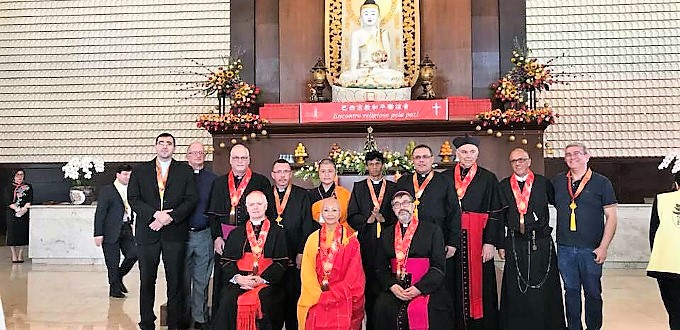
163 194
113 221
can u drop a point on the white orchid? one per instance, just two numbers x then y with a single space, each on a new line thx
85 166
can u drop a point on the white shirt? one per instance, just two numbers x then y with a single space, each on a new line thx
165 165
521 178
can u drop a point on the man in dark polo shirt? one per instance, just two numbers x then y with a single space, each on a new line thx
199 258
583 200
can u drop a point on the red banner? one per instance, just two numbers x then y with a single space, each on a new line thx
373 111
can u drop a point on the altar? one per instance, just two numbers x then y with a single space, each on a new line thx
63 234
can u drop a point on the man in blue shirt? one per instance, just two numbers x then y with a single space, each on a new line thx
583 200
199 258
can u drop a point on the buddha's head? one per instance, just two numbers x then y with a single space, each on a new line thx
370 13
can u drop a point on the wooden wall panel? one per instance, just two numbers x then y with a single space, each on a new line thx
513 20
243 36
485 46
302 29
267 69
447 37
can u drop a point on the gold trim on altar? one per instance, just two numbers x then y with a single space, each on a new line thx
401 20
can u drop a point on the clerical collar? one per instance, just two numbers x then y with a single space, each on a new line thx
196 171
424 174
281 189
464 171
521 178
376 181
256 222
405 225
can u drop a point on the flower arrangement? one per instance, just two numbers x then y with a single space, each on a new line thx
244 97
516 118
505 90
85 166
530 74
670 158
234 94
514 96
354 162
243 123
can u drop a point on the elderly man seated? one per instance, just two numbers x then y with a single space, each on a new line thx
255 257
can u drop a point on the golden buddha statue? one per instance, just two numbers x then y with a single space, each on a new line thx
371 55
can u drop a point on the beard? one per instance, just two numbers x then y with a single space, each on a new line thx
404 216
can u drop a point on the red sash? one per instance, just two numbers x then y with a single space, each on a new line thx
463 184
249 308
245 264
522 196
474 223
235 193
418 318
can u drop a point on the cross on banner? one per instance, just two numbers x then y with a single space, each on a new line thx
436 108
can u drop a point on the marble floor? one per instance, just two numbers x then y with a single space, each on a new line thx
75 297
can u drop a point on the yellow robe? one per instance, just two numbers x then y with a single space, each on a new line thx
343 196
311 289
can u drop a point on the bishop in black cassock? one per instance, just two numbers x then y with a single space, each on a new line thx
531 296
219 205
473 279
414 298
370 224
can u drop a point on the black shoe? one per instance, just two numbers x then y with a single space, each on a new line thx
123 289
116 294
202 326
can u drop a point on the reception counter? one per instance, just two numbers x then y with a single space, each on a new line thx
63 234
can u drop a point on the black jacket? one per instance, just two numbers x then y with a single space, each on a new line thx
108 218
180 196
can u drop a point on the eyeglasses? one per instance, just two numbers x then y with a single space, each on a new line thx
243 158
573 154
423 157
402 204
519 160
196 153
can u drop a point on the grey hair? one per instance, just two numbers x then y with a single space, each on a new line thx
579 145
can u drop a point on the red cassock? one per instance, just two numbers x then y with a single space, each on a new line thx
342 306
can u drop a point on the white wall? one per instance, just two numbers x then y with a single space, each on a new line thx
625 101
103 77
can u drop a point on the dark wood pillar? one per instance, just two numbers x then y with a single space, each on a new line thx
267 66
485 47
301 29
446 36
513 21
242 36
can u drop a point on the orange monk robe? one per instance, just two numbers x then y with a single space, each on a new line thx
342 306
343 195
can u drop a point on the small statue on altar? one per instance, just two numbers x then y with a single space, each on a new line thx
445 152
335 149
370 54
370 144
300 153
